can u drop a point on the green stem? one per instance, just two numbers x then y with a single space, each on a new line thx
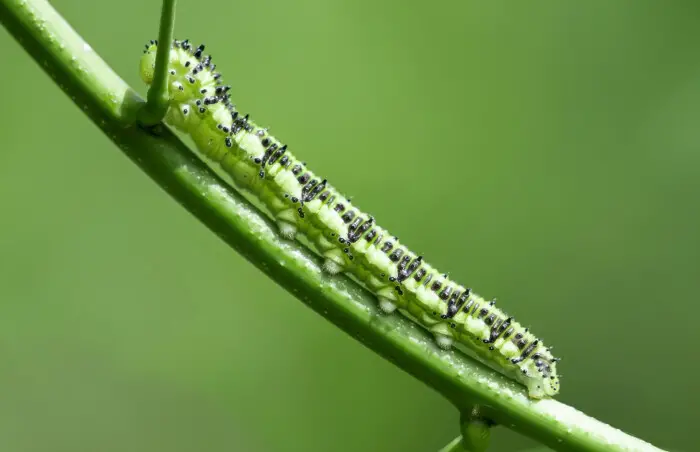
476 430
111 104
157 99
454 446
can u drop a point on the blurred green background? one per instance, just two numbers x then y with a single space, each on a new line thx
543 152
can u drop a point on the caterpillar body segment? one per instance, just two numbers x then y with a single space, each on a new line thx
348 239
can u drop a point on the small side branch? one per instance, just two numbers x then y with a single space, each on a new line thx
157 99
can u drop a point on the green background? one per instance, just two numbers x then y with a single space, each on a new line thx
542 152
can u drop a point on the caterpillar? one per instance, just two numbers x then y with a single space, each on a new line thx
349 240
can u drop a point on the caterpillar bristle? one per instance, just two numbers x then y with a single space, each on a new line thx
198 53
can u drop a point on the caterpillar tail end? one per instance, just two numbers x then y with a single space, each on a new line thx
542 388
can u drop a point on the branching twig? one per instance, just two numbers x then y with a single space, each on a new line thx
157 99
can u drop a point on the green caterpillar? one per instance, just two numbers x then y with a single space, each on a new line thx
348 239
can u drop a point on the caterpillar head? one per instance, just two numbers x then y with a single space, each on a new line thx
148 62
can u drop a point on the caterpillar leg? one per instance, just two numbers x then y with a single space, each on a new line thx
388 301
285 217
444 342
443 338
287 230
243 175
386 305
386 297
334 261
210 146
332 267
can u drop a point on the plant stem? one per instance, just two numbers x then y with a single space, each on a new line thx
157 99
454 446
112 105
476 430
